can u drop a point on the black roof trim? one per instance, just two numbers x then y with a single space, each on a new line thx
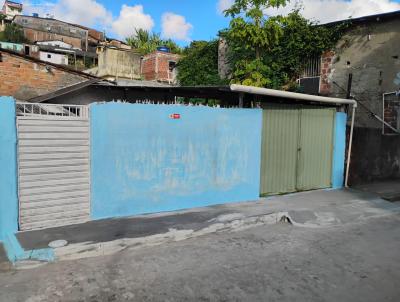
61 67
62 91
364 19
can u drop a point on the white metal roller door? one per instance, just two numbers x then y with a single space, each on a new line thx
53 166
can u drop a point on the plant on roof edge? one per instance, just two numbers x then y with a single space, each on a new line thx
146 42
13 33
199 64
257 34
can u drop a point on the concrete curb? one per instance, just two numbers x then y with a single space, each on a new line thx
310 210
16 253
89 249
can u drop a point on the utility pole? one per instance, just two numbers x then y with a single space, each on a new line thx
349 82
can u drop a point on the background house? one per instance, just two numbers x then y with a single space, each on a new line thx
160 66
37 29
52 57
11 9
25 77
88 50
22 48
75 58
115 63
124 63
365 64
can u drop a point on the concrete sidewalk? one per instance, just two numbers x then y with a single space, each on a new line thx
4 263
316 209
388 189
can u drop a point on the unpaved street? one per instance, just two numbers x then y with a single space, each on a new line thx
358 261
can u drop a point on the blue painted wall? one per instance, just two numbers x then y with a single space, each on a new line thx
8 168
12 46
143 161
339 150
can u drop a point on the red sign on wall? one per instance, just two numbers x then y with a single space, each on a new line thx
175 116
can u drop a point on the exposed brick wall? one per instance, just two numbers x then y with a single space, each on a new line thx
326 69
96 35
155 66
24 79
149 68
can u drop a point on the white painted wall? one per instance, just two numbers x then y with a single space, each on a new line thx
10 11
55 58
55 43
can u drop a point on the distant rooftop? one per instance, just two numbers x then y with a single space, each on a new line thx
13 3
369 18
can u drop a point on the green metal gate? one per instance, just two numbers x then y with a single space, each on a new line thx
297 146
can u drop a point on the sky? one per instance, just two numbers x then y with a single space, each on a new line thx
186 20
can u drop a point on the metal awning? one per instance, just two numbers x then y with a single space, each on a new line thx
229 92
291 95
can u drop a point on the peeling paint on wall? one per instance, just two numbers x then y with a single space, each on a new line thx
143 161
396 81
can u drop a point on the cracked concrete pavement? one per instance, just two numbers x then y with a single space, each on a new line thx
344 248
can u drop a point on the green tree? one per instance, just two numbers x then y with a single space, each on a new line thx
302 39
278 62
13 33
199 64
147 42
174 48
256 34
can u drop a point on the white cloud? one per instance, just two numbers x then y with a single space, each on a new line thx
329 10
29 8
175 27
131 18
333 10
93 14
84 12
223 5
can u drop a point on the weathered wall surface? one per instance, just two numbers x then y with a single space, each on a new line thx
223 64
8 170
144 161
24 79
43 29
155 66
371 52
374 156
119 63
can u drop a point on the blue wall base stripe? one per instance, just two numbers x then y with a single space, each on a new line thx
16 253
